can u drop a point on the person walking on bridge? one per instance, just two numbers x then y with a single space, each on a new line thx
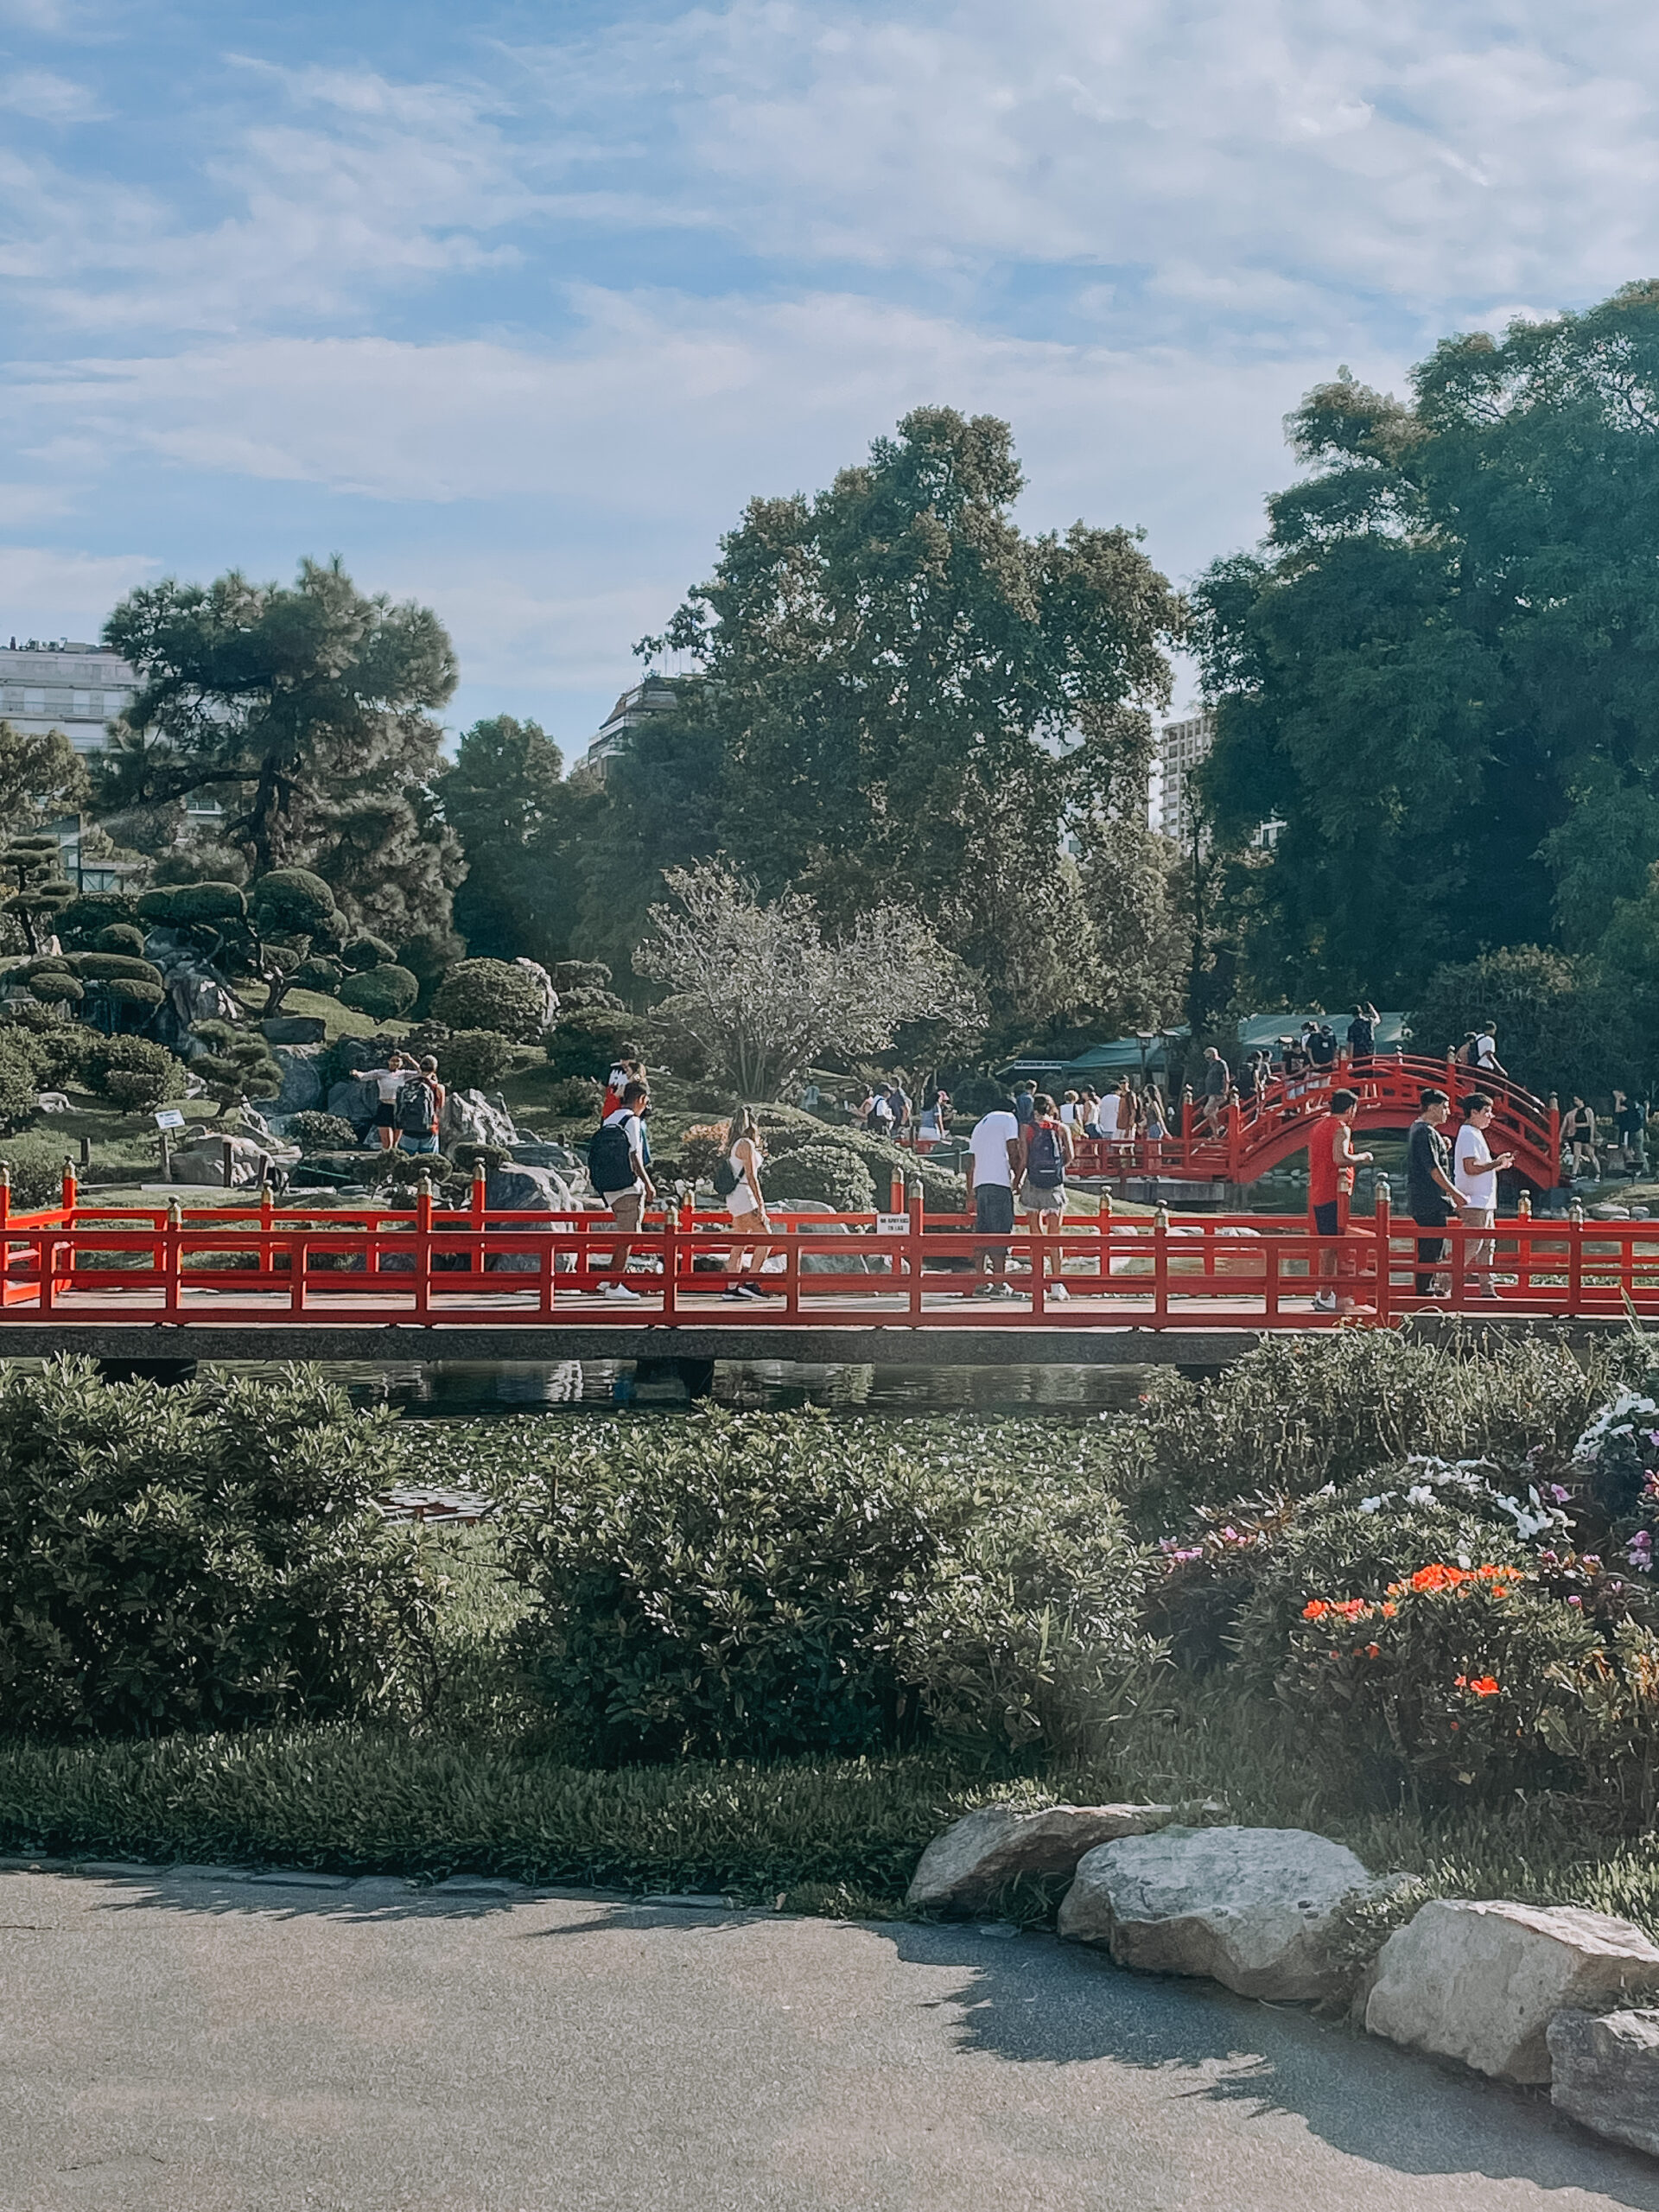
1331 1161
1431 1195
996 1156
1475 1174
1362 1037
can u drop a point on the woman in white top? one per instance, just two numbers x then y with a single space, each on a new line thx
1475 1171
388 1082
745 1202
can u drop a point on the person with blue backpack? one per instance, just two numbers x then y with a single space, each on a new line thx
1049 1150
617 1169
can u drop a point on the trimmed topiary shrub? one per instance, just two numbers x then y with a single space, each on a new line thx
382 993
590 1042
825 1174
206 1557
579 976
471 1060
35 1162
492 994
316 1132
366 951
319 974
120 937
81 926
576 1094
176 905
148 1075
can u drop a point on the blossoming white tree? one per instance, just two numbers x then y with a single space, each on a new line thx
765 996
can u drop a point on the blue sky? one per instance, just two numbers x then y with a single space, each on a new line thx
514 306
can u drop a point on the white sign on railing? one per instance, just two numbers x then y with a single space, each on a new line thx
169 1118
892 1224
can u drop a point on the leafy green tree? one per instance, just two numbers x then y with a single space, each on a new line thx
901 697
306 710
1440 668
501 797
1562 1024
39 775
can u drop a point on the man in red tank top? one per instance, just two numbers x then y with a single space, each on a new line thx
1331 1161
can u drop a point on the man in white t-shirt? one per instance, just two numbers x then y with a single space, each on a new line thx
618 1172
996 1159
1474 1170
1486 1058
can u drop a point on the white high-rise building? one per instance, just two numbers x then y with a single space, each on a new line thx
1181 745
74 688
652 696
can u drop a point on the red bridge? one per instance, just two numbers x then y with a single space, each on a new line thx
428 1281
1249 1140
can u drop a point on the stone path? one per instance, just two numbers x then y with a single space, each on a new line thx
179 2044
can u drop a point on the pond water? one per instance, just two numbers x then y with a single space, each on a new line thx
454 1390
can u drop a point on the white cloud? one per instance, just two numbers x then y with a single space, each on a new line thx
48 98
46 593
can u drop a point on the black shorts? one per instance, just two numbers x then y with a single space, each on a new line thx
383 1117
1326 1218
994 1207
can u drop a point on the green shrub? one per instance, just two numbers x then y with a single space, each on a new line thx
36 1165
316 1132
826 1173
471 1060
749 1586
320 974
1300 1412
63 1048
785 1129
20 1084
203 1557
292 901
366 951
591 1041
156 1074
576 1094
52 981
495 994
81 926
120 937
579 976
110 967
382 993
178 906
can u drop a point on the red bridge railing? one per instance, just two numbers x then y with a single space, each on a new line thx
427 1264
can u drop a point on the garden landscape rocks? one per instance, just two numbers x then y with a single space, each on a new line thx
963 1870
469 1118
355 1101
1480 1981
1250 1908
543 982
1605 2073
294 1029
301 1082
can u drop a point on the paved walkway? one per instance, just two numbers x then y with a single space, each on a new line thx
191 2045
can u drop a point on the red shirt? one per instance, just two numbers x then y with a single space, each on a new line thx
1322 1169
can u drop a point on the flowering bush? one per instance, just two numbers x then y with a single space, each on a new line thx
1477 1680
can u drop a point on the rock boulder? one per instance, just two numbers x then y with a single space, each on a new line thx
469 1118
1481 1981
301 1082
294 1029
1605 2072
1250 1908
963 1870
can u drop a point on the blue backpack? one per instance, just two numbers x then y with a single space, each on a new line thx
1045 1161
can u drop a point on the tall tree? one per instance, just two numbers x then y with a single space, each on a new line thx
907 698
501 797
40 776
1441 668
306 710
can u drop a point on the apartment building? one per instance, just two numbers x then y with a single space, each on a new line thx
653 697
1181 745
74 688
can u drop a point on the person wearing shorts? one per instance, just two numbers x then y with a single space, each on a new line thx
1044 1203
993 1165
1331 1161
388 1082
1475 1171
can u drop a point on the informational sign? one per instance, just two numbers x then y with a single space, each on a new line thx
892 1224
169 1118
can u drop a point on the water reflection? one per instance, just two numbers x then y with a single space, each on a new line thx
452 1389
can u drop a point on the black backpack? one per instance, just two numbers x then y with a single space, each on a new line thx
610 1158
727 1177
418 1107
1045 1161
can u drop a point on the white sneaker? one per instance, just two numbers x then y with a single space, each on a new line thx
1324 1301
620 1290
1059 1290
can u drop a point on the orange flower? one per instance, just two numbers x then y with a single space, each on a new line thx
1484 1685
1315 1610
1373 1651
1388 1612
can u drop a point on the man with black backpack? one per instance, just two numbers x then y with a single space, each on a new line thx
617 1169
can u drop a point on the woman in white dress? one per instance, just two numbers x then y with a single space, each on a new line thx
746 1202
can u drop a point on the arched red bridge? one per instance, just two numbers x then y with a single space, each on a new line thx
1250 1139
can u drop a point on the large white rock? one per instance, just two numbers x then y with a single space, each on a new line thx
1248 1907
1604 2071
961 1870
1481 1981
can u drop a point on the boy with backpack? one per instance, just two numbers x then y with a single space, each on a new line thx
419 1109
1048 1152
617 1169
